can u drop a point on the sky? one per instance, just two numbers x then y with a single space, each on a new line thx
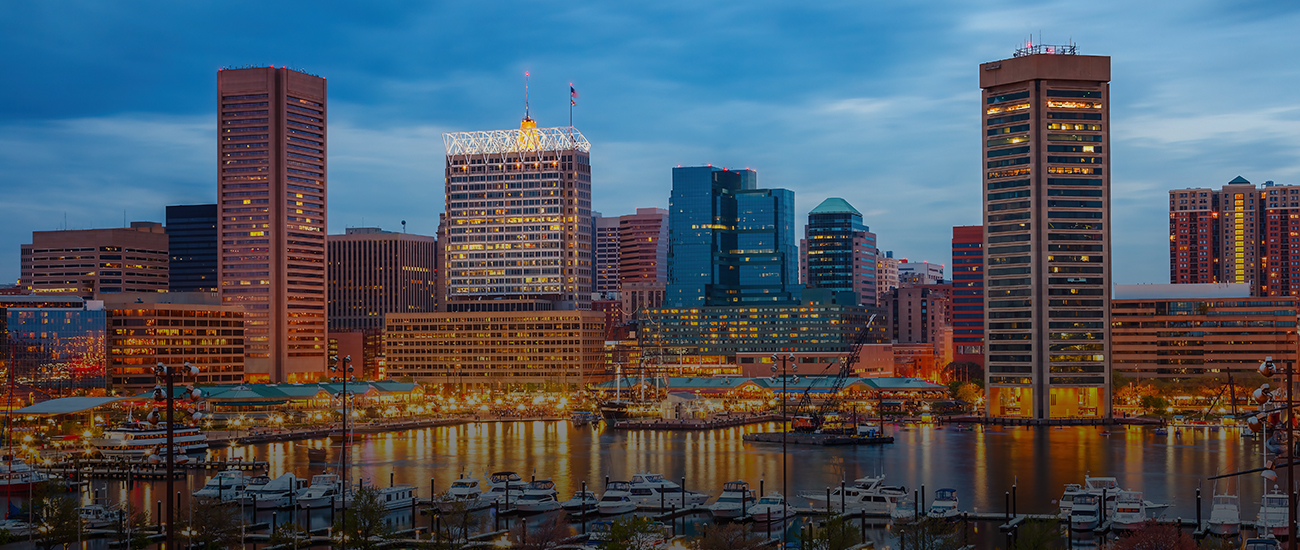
108 109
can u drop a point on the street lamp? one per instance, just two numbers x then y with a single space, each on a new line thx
346 370
168 374
1262 396
787 361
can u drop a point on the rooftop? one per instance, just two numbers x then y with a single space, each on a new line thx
835 205
516 140
1183 291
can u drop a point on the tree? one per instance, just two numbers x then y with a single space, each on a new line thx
732 536
1038 535
969 393
216 525
290 534
1156 537
131 530
549 535
928 533
60 520
634 533
836 534
1155 404
363 519
455 521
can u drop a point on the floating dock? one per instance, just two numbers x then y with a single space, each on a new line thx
815 439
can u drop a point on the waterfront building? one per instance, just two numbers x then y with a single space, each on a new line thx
921 316
968 294
730 243
518 233
94 262
192 248
538 349
1208 330
643 259
1239 233
886 277
919 273
373 272
1046 181
271 152
838 252
173 329
55 346
607 253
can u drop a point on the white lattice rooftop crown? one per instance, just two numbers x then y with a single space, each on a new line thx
519 140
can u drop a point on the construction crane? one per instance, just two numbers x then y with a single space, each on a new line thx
832 401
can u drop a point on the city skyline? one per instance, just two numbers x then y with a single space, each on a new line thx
816 111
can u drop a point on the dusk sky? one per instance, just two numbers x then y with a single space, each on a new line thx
108 109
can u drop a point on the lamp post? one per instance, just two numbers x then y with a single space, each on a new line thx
346 371
168 374
787 361
1269 369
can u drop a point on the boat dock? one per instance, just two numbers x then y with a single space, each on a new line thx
104 468
694 423
815 439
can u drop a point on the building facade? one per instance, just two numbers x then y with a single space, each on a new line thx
93 262
141 335
838 252
1046 181
55 346
968 294
643 259
606 263
192 248
271 158
919 273
541 349
730 243
373 272
1200 331
518 227
886 277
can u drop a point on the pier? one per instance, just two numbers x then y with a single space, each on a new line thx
816 439
694 423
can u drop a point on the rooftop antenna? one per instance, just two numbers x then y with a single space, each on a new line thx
403 226
526 114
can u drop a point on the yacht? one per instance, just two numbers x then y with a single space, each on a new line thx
17 477
771 508
464 490
1130 511
134 439
869 495
225 486
1085 514
582 501
945 504
539 496
1225 515
1067 500
654 491
325 489
396 497
734 502
276 493
99 516
1272 518
1261 544
617 499
506 488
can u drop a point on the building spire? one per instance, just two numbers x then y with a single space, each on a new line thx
527 122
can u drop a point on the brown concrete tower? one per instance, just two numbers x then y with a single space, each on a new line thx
1046 116
271 154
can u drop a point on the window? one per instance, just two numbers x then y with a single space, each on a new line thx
1008 151
1007 184
1074 148
1009 119
1006 109
1074 116
1007 162
1073 126
1073 105
1075 160
1090 94
1072 137
1009 130
1073 181
1007 97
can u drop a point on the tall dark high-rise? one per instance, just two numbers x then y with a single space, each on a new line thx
271 151
518 230
1046 148
374 272
192 243
730 243
968 294
838 251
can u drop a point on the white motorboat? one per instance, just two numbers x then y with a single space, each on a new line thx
464 491
1272 516
868 494
135 439
1225 515
396 497
655 491
771 508
1085 514
276 493
539 496
506 488
225 486
581 501
325 489
1067 500
99 516
734 502
617 499
17 477
904 509
1130 511
945 504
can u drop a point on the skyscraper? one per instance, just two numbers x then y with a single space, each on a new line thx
643 259
92 262
730 243
192 239
886 276
607 253
373 272
968 294
518 226
271 154
838 252
1047 233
